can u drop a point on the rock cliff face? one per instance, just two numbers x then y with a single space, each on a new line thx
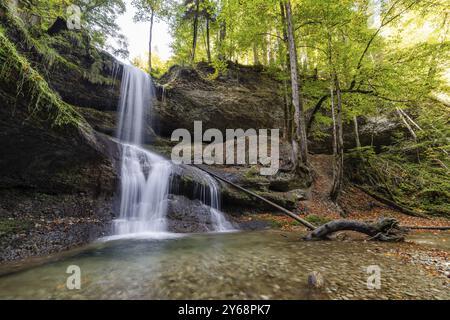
243 98
57 175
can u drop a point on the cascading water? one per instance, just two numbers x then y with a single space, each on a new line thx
211 196
145 176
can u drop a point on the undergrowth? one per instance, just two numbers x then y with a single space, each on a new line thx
414 174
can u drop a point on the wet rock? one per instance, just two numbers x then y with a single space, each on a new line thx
188 216
284 182
315 280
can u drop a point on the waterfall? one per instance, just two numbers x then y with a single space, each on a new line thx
211 196
145 176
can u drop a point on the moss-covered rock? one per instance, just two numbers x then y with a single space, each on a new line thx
51 157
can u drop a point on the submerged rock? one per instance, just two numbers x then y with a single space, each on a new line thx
315 280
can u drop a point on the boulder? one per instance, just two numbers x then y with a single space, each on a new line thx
244 98
188 216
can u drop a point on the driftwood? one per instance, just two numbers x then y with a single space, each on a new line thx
385 229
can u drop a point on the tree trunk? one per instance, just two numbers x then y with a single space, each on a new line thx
333 116
208 40
288 105
410 129
287 112
355 123
255 55
385 229
222 35
195 30
338 166
265 52
150 42
299 143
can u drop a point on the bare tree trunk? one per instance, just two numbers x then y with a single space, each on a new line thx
195 33
270 51
287 112
299 143
410 129
208 40
355 123
385 229
265 59
150 42
338 166
287 104
222 35
333 111
255 55
333 116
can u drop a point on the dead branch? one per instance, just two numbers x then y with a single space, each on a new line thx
385 229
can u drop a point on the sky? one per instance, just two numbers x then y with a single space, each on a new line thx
138 35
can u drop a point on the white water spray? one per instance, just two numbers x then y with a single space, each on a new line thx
145 176
220 223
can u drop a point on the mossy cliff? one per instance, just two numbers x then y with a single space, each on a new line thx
52 160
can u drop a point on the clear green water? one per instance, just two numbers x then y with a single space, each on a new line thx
253 265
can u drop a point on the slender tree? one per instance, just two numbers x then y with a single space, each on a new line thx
299 143
147 11
338 168
195 30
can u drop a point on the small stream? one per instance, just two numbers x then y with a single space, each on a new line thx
244 265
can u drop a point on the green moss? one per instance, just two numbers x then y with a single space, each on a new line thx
32 87
422 187
44 47
317 220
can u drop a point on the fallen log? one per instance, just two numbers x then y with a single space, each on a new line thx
385 229
445 228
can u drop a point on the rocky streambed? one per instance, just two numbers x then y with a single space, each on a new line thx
244 265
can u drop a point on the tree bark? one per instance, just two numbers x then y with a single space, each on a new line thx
195 30
299 143
288 107
385 229
264 47
355 123
150 42
338 167
208 40
255 55
222 35
333 116
410 129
